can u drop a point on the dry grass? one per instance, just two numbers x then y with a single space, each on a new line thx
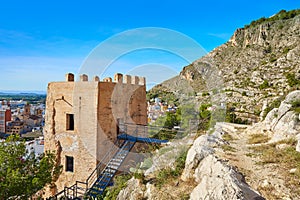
228 148
258 139
175 189
268 192
286 159
227 137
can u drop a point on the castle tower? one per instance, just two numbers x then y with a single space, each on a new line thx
81 120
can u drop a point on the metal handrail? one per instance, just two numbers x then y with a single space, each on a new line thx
101 165
73 191
119 150
92 177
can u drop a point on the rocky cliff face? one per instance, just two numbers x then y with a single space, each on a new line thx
205 175
282 122
229 164
260 63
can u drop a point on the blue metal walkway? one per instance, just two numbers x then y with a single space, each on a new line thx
125 136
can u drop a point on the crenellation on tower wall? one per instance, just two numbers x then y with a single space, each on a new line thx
118 78
107 79
127 79
84 77
69 77
134 80
96 78
142 80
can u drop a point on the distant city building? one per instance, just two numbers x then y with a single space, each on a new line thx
5 117
38 111
27 110
33 120
17 127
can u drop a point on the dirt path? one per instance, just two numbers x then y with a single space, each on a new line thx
266 179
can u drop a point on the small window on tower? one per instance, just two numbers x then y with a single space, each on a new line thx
69 164
70 122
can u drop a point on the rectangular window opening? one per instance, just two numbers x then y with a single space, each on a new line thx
70 122
69 164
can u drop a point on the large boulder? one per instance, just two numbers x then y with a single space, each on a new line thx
132 191
202 147
166 156
283 121
215 179
218 181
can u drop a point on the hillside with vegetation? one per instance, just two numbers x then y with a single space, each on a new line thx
257 75
257 67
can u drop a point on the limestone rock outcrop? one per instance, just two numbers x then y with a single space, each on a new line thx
202 147
133 191
283 122
219 181
211 176
166 156
215 179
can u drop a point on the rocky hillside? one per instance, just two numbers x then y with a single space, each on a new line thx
234 162
257 73
259 64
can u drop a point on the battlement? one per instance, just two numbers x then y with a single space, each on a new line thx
118 78
85 117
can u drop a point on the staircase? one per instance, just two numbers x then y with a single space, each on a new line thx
102 176
110 170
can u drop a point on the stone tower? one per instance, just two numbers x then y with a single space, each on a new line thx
82 117
27 109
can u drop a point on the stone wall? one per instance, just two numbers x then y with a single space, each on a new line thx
97 107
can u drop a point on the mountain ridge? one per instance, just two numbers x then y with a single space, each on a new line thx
259 64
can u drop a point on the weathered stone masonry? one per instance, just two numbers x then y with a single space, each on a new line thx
82 118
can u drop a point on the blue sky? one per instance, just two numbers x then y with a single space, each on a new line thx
40 41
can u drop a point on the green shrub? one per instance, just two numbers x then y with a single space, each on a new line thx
268 49
139 175
286 50
165 134
274 104
280 26
166 174
273 58
257 112
264 85
292 80
205 94
120 182
204 117
296 106
282 15
263 62
227 137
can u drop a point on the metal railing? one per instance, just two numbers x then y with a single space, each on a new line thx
102 164
80 188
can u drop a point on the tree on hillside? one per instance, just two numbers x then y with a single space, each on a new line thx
204 117
22 174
